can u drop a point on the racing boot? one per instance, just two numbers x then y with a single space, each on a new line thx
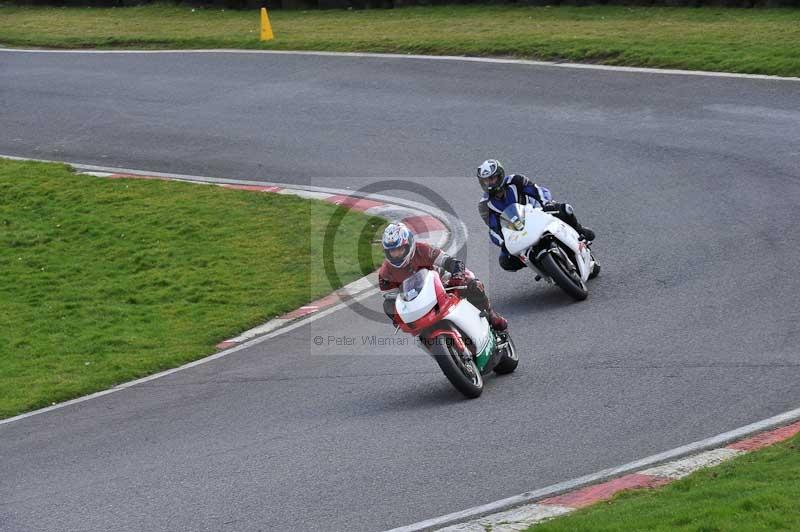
498 322
586 233
476 294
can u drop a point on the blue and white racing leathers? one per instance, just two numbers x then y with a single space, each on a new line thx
519 189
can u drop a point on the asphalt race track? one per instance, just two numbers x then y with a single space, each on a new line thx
692 184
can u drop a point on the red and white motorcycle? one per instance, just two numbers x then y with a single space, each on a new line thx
453 331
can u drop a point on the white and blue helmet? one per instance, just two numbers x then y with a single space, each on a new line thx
398 244
491 176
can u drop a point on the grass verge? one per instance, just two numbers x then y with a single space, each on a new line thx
105 281
757 491
761 41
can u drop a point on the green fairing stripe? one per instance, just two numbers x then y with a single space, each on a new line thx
483 357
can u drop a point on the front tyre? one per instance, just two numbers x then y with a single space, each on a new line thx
566 276
460 370
508 363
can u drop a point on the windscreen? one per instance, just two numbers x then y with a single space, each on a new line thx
413 285
513 217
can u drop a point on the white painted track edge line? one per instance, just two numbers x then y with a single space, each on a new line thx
508 503
494 60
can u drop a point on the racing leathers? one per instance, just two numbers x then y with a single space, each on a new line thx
391 277
517 188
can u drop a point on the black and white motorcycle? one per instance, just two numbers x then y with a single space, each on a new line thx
550 247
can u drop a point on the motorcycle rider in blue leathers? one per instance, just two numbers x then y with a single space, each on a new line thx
501 190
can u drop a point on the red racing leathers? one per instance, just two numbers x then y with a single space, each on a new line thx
426 256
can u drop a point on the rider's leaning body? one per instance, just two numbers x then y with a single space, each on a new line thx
405 256
501 190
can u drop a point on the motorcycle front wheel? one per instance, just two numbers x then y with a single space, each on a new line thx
566 276
460 370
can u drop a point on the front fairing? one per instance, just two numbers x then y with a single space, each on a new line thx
417 296
536 224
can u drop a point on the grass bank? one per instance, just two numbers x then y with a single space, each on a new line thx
757 491
762 41
107 280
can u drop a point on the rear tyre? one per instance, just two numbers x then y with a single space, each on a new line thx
595 269
510 358
566 276
463 374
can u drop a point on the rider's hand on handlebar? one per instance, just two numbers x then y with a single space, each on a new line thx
457 271
455 267
457 280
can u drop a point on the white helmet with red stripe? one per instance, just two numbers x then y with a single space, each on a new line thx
398 244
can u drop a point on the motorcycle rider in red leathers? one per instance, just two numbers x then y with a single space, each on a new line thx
404 257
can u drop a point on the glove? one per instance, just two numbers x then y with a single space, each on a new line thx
385 284
455 267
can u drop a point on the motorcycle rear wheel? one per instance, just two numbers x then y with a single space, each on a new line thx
463 375
510 358
565 276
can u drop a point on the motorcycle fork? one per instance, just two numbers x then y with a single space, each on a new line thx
554 247
532 261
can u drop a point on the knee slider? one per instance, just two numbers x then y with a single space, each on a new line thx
388 307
